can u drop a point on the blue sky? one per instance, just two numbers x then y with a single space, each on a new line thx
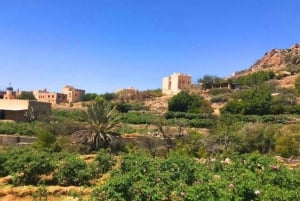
105 45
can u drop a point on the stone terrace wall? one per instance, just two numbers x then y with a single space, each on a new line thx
14 140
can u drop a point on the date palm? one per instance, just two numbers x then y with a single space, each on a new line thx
101 117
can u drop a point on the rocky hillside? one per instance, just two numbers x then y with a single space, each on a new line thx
280 61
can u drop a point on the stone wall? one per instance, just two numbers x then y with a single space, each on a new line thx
14 140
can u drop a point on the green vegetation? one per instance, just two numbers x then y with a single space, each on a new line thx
297 84
186 153
101 117
261 100
254 79
180 177
27 96
253 101
73 170
29 129
211 81
26 165
191 103
139 118
125 107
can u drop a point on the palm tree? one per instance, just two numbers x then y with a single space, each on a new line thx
101 117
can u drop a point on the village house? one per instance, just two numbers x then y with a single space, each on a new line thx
69 95
22 110
175 83
49 97
73 94
127 91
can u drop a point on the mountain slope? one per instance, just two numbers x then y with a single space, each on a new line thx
277 60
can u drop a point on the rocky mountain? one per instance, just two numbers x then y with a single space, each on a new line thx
285 63
280 61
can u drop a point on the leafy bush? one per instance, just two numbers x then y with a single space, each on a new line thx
185 102
27 165
46 141
254 78
89 96
73 170
19 128
105 160
201 123
63 115
185 115
178 177
219 91
253 101
222 98
211 81
125 107
258 137
138 118
288 140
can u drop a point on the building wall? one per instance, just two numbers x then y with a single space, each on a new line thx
15 109
10 94
166 85
50 97
176 83
15 115
40 109
72 94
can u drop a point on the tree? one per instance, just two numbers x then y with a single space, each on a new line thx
257 100
185 102
27 96
210 81
89 96
101 117
46 141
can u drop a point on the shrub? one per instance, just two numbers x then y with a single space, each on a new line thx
185 115
73 170
255 78
258 137
255 101
63 115
201 123
105 160
139 118
46 141
288 140
219 91
125 107
27 165
29 129
287 146
222 98
185 102
178 177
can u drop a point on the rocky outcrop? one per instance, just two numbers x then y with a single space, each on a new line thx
276 60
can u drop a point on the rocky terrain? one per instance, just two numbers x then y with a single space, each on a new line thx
281 61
